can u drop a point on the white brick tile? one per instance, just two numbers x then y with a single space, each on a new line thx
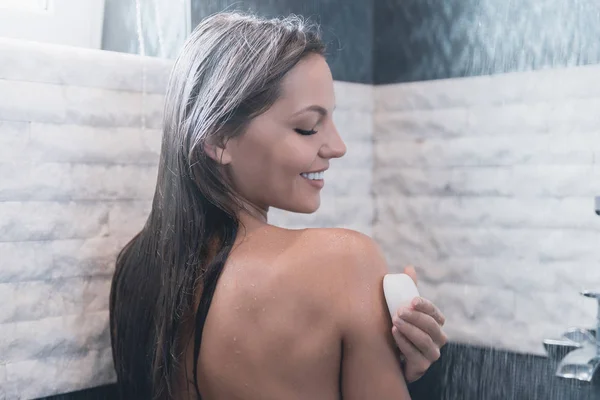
499 150
14 140
359 155
62 335
43 102
28 301
500 200
353 96
112 108
513 119
575 116
127 218
505 271
536 180
78 143
25 261
64 182
32 102
545 245
428 95
69 65
3 383
564 309
334 212
421 124
26 221
61 374
354 125
522 87
341 182
506 212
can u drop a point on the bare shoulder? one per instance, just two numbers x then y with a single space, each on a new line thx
344 249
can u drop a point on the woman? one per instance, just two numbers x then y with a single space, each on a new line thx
211 301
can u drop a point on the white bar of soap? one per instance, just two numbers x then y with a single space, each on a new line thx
399 290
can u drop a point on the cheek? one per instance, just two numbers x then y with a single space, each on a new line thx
264 170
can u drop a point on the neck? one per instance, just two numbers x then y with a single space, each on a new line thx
252 217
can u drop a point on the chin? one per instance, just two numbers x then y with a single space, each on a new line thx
306 206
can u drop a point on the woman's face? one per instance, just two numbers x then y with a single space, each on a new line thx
279 161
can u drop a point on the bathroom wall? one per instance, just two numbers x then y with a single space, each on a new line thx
346 27
79 143
487 183
78 151
416 40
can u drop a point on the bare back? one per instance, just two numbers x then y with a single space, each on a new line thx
274 329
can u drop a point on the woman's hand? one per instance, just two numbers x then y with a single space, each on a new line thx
418 333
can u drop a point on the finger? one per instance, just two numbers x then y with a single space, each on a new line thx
421 340
425 323
415 361
425 306
410 271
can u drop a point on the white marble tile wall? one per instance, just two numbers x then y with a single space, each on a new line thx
487 183
78 151
79 145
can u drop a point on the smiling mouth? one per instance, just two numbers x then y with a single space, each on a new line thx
313 176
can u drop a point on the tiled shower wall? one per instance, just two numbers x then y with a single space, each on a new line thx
487 184
79 144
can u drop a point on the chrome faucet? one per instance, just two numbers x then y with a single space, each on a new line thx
578 349
582 349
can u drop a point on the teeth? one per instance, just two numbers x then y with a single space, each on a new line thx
314 175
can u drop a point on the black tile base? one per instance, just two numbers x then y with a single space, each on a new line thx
107 392
474 373
464 373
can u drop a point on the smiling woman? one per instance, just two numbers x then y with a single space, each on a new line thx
248 126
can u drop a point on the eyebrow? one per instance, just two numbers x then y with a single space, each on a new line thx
315 108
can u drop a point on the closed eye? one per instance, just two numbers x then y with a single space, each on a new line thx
306 133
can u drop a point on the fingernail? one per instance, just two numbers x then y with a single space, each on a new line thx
417 302
405 312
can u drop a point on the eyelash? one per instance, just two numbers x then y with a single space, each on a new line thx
306 133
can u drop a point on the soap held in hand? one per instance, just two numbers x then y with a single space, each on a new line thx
399 291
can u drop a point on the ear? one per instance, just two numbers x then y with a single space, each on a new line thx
218 153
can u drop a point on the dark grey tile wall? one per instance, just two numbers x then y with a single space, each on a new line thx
392 41
347 28
419 40
464 373
476 373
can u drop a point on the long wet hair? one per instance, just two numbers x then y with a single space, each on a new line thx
229 71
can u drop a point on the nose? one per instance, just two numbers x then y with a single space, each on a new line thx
334 147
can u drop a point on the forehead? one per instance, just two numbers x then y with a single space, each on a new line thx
309 82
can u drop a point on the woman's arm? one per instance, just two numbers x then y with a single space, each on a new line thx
370 364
